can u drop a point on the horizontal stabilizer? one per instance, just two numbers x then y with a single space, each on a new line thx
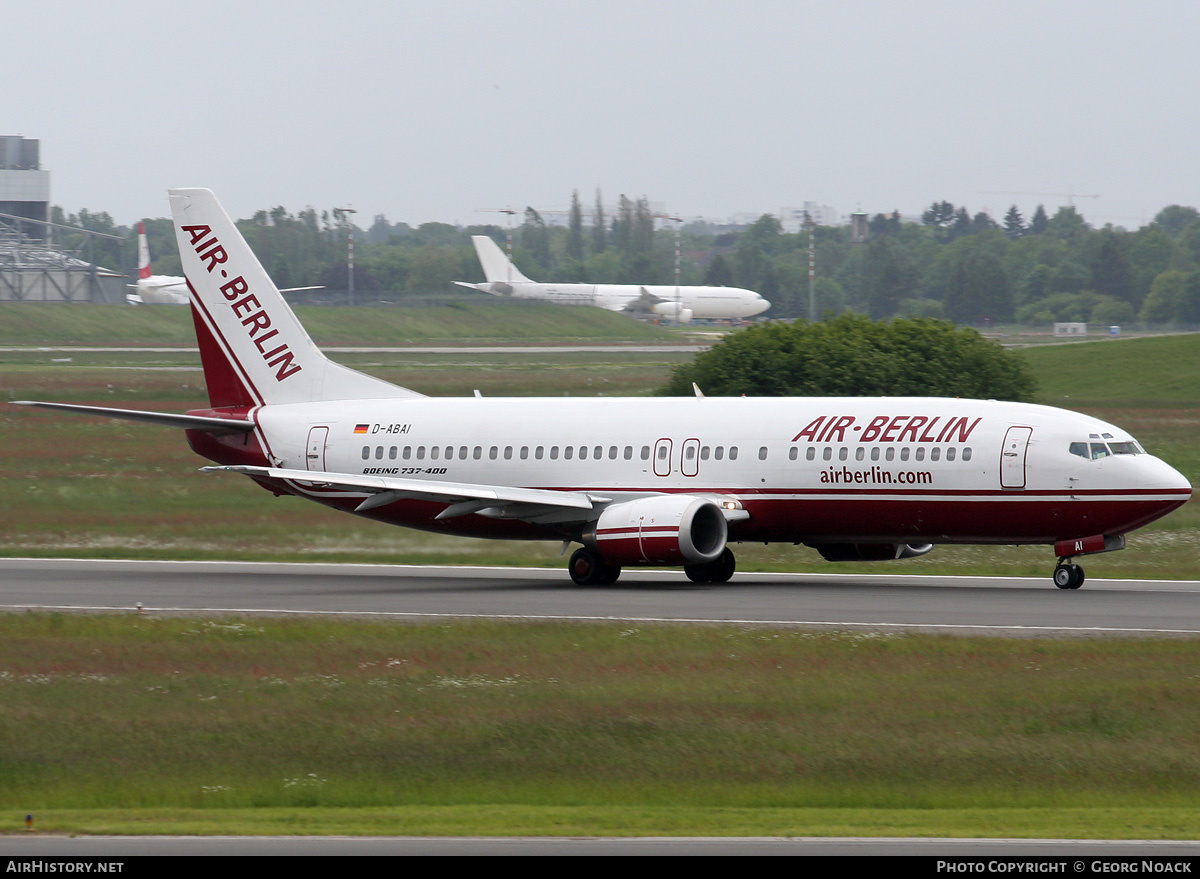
186 422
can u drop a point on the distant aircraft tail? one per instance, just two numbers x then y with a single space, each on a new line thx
253 349
143 253
497 267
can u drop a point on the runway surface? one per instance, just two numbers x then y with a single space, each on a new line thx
883 602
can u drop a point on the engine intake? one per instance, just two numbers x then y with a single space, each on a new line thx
660 530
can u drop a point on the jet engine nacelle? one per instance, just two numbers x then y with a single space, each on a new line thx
869 552
673 311
660 530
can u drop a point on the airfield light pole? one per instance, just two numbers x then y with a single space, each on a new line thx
812 268
347 214
678 300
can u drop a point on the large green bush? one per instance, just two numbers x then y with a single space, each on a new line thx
853 356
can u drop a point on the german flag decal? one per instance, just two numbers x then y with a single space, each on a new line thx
361 428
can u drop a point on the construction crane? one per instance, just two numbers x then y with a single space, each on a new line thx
1069 195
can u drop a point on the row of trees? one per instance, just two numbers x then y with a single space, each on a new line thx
968 268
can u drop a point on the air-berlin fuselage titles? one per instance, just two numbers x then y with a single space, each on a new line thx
641 481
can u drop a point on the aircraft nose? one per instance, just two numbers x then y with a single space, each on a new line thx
1156 473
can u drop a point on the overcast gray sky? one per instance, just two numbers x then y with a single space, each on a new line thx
432 110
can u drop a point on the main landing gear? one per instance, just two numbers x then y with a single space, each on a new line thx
1067 575
587 568
717 571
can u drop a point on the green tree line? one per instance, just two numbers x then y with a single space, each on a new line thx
950 263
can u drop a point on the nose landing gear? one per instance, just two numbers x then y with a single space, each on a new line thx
1067 575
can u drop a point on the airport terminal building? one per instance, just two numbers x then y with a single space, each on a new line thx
39 260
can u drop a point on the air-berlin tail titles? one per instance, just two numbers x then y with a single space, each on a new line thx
888 429
244 304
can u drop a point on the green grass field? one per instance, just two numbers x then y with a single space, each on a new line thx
133 724
457 322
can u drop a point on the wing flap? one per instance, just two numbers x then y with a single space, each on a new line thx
466 497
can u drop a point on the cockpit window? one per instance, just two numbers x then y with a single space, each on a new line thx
1096 450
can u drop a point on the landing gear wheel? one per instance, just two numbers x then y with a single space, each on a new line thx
1068 576
587 568
717 571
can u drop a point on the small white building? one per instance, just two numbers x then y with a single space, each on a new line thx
1070 329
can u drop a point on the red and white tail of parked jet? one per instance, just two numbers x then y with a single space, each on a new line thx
152 289
640 481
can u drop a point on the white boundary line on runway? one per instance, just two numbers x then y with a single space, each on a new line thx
653 572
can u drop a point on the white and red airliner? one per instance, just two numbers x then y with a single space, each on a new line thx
641 481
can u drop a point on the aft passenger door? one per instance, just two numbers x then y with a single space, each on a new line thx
1012 457
314 458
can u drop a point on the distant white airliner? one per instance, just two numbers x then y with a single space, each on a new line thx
164 289
680 304
640 481
153 289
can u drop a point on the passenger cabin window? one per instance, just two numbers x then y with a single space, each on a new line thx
762 453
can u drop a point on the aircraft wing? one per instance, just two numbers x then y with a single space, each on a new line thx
640 304
496 501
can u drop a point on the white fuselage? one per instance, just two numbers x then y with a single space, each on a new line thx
702 302
162 290
806 469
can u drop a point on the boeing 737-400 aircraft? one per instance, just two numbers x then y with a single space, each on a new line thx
640 481
681 304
